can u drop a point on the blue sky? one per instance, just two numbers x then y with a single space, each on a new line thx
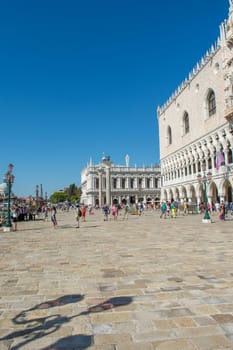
79 78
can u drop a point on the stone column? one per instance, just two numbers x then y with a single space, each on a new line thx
222 198
108 185
107 164
100 172
212 163
198 203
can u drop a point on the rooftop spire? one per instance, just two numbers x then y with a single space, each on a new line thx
231 6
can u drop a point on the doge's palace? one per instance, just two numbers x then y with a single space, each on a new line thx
196 127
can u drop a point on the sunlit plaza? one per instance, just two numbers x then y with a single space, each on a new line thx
143 280
142 283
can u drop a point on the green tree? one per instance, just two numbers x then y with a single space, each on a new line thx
71 194
71 191
58 197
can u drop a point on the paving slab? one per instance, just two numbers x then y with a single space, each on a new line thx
143 283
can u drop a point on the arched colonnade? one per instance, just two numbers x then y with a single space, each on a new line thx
180 171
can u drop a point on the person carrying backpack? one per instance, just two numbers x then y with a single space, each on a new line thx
163 210
126 211
78 216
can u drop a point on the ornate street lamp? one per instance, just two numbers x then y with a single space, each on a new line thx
9 180
204 181
37 198
46 198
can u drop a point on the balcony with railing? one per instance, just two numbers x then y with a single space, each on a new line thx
189 178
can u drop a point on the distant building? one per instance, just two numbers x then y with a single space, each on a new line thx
196 127
107 183
3 190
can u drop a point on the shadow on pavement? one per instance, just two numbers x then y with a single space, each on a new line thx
40 327
111 303
80 341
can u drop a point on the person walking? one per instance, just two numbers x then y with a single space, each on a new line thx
163 211
126 211
53 216
115 212
83 211
185 207
45 210
222 211
15 215
173 209
78 216
106 212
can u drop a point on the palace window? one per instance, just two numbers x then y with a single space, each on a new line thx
194 168
229 156
140 182
169 135
123 183
211 103
186 123
114 183
97 183
190 169
209 162
131 183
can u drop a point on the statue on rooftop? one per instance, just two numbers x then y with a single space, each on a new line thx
127 160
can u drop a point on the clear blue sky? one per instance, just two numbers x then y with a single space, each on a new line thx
79 78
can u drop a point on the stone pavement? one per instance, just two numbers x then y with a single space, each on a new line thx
142 284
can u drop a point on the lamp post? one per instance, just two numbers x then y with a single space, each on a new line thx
46 199
107 163
204 181
9 180
37 195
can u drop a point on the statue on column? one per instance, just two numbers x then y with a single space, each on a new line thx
127 160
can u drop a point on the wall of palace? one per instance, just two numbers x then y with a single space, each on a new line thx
196 125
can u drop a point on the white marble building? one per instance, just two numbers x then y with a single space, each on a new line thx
3 190
196 127
105 183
